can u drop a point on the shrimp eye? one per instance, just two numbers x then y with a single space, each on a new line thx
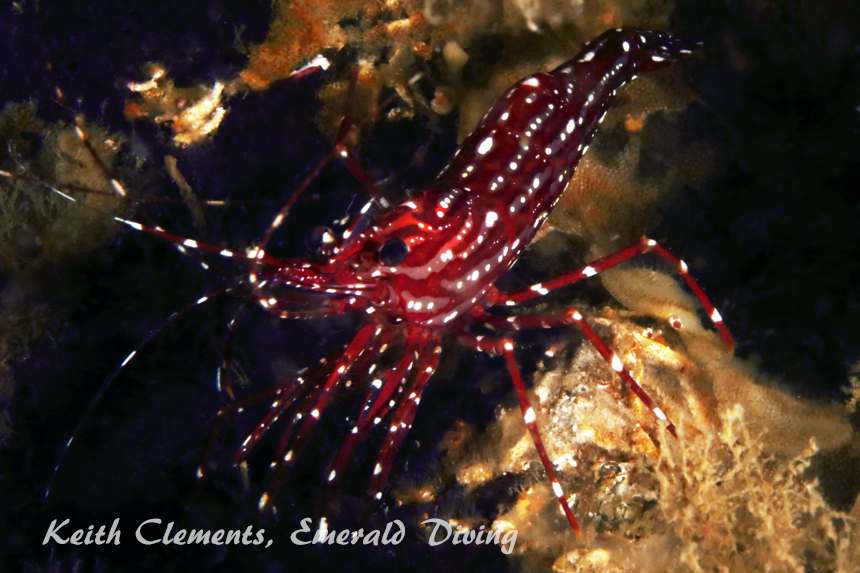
320 240
393 252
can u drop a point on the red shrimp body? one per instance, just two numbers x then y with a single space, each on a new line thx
486 206
426 267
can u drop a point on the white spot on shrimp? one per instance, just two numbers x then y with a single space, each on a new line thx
485 146
529 416
127 358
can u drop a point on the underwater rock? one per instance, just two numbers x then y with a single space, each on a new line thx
733 492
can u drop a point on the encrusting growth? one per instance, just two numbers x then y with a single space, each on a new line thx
734 492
